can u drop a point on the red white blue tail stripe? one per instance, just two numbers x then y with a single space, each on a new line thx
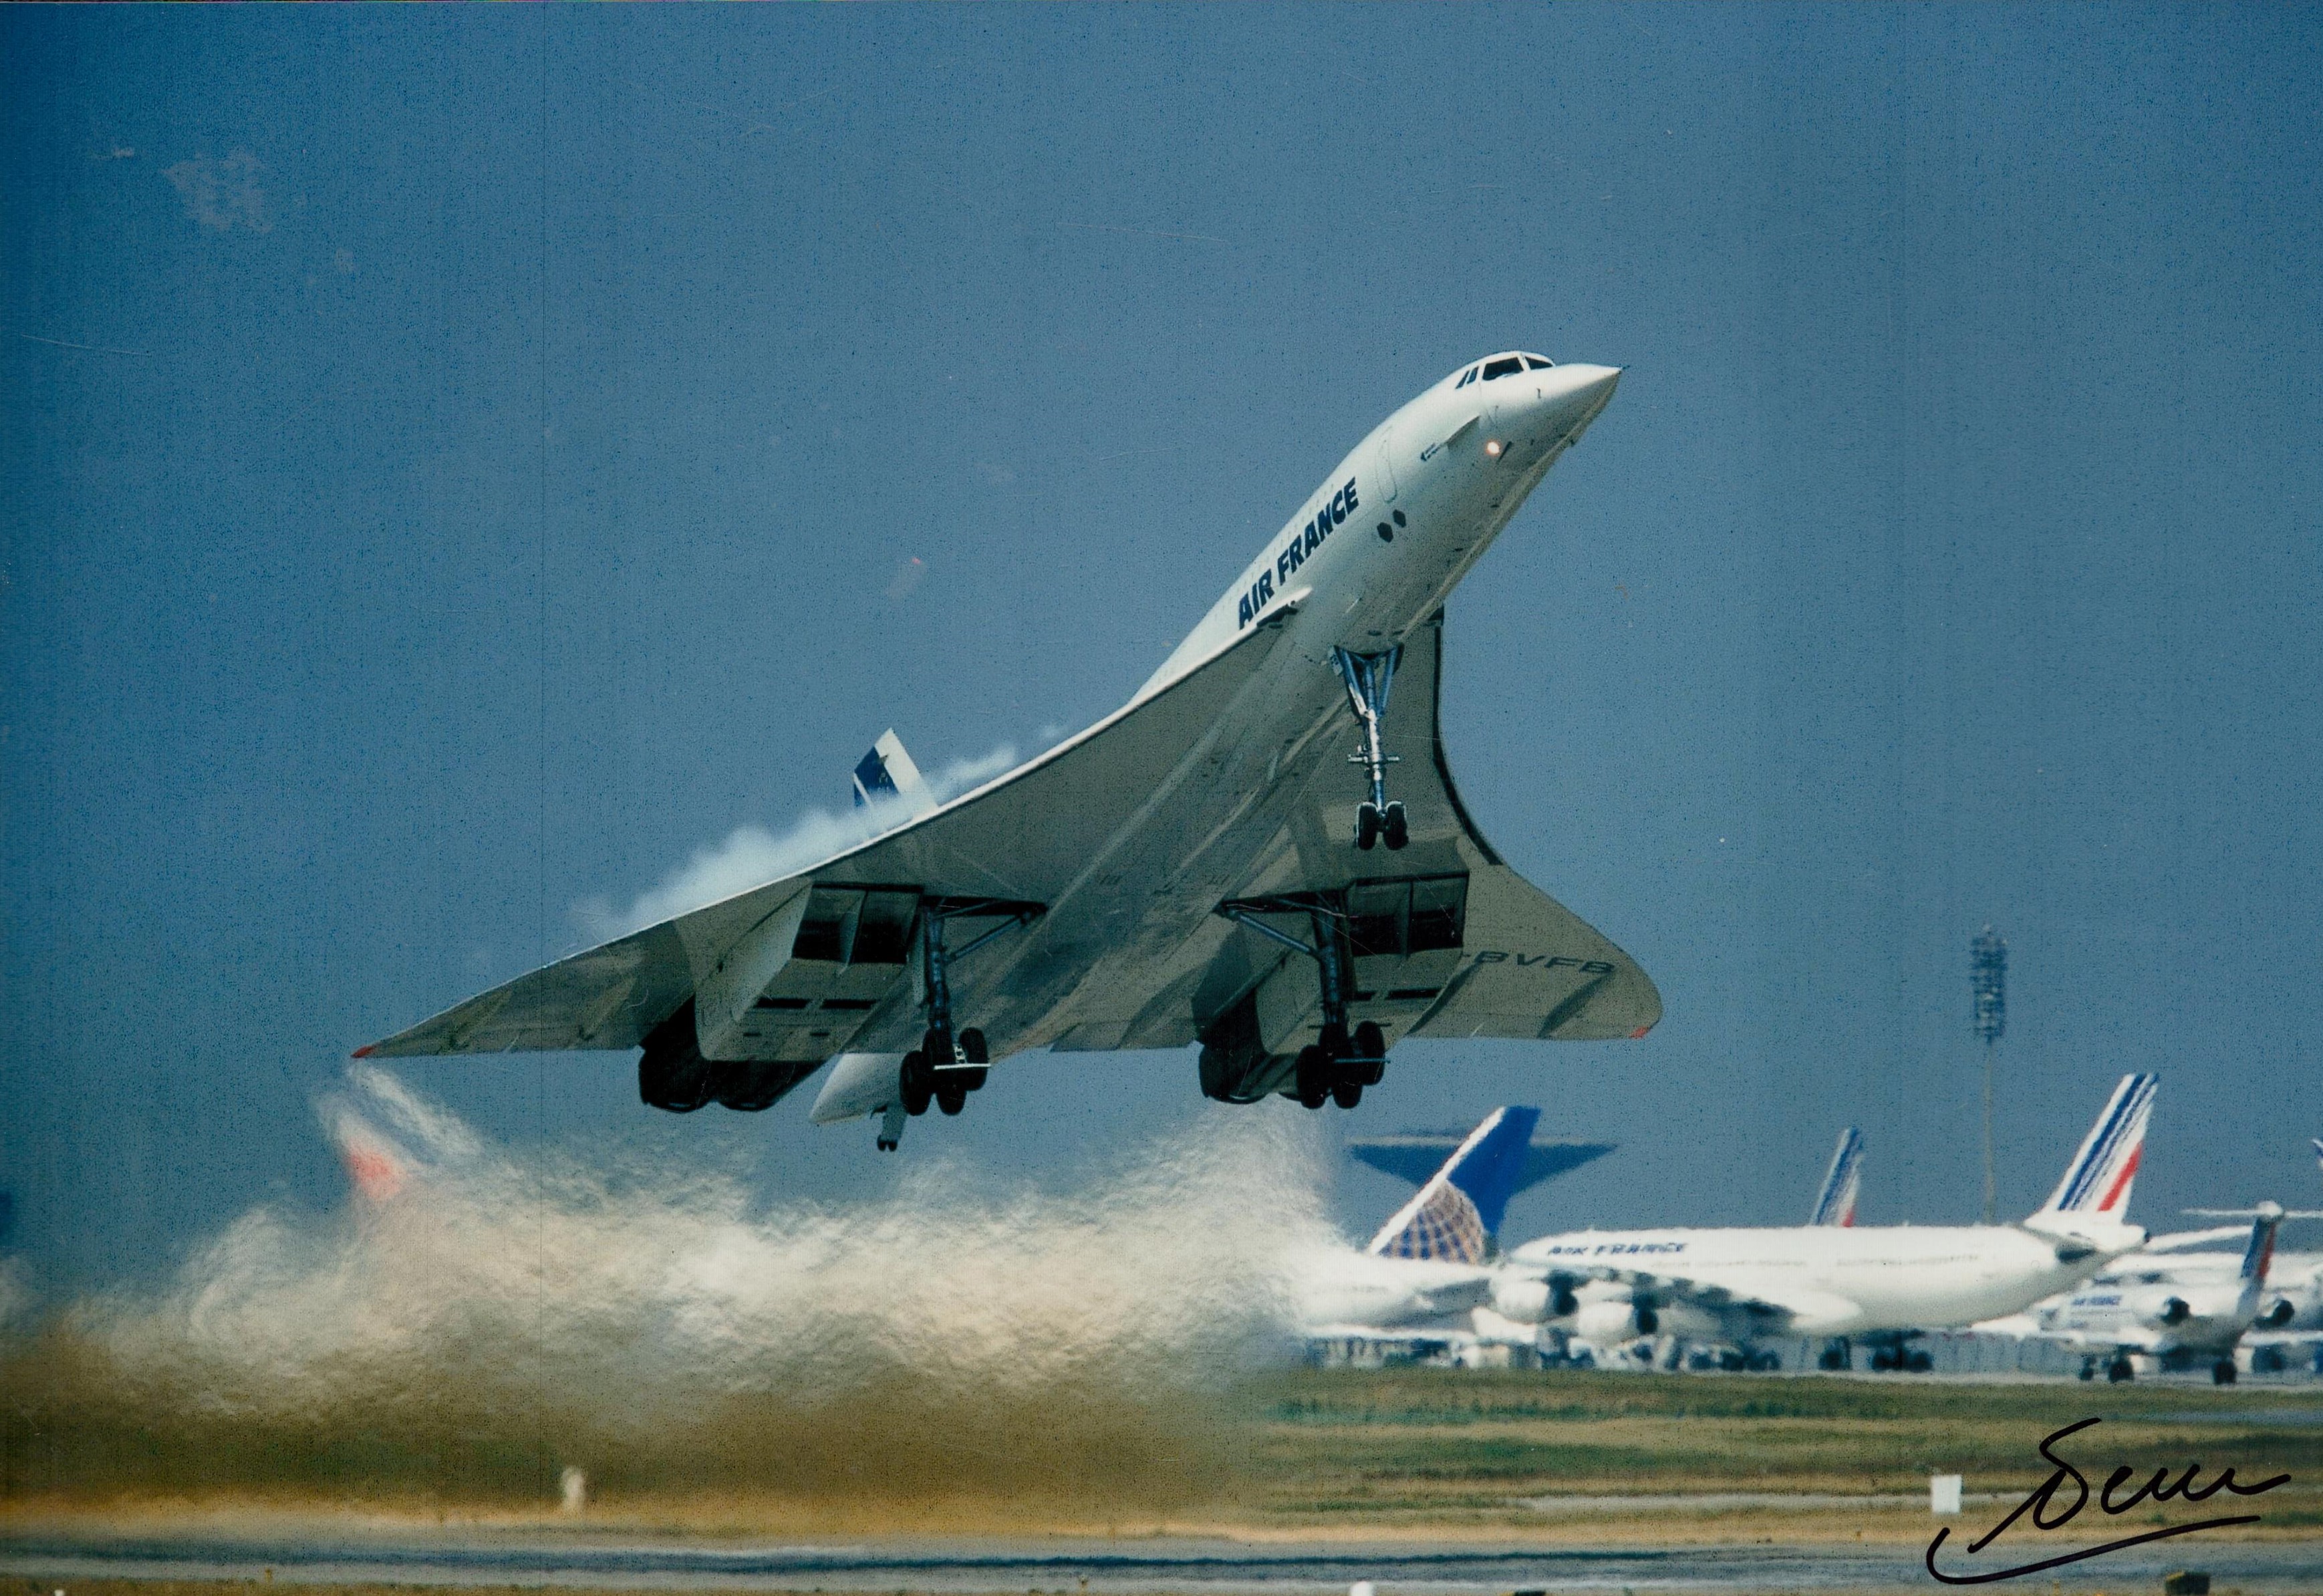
1835 1203
1452 1219
2100 1178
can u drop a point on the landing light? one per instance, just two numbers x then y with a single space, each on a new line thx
1492 448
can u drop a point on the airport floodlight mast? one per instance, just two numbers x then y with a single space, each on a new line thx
1988 967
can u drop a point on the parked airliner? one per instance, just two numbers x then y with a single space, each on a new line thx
1430 1265
1261 851
1738 1286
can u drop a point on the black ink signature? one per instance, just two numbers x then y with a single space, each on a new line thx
2159 1488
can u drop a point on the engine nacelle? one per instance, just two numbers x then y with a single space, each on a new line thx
2172 1311
2275 1315
1614 1319
1235 1066
1525 1301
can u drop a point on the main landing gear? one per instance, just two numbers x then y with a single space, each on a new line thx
1341 1062
948 1065
1368 677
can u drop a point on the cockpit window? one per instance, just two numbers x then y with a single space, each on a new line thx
1468 376
1538 364
1506 366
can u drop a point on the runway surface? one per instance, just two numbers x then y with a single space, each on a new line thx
1100 1567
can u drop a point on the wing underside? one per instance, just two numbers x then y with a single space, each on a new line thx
1112 852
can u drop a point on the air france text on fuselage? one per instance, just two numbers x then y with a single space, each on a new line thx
1294 553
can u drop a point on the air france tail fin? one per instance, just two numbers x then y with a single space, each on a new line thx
2097 1181
2256 1259
886 775
1835 1203
1454 1217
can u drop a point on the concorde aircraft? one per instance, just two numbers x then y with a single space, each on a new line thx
1210 863
1606 1290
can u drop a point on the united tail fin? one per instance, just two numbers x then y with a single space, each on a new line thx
1835 1203
2098 1182
1454 1217
887 776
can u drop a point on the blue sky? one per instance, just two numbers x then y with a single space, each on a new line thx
458 465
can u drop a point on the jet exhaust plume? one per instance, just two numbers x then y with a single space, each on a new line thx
488 1317
751 855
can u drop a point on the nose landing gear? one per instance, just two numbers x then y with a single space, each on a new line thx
1368 678
1342 1061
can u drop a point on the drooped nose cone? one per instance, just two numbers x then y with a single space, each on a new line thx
1573 396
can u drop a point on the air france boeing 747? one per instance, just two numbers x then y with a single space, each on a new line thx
1210 863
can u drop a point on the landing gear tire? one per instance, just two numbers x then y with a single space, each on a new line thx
938 1047
918 1083
1369 1063
2088 1368
1346 1091
1394 831
972 1050
952 1091
2118 1371
2222 1372
1314 1076
1368 825
1919 1362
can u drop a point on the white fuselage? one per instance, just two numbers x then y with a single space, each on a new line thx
1845 1280
2182 1303
1442 474
1338 1289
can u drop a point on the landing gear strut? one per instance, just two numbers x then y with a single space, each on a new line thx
1341 1062
947 1066
1368 677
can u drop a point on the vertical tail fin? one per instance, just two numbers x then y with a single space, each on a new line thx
1835 1203
2256 1256
886 773
2098 1180
1454 1217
